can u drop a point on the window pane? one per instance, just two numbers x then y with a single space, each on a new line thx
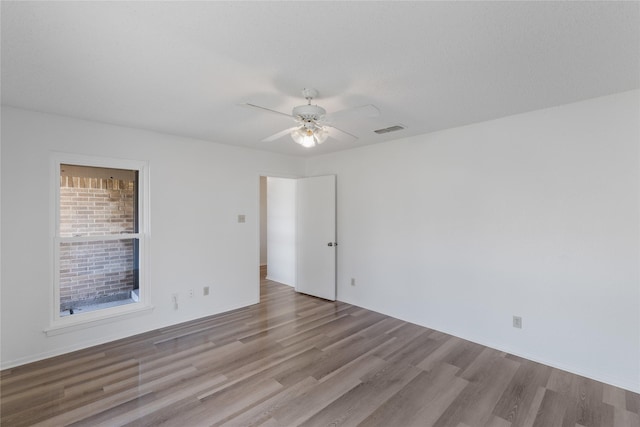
99 274
97 201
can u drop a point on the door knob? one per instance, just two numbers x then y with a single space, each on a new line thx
332 244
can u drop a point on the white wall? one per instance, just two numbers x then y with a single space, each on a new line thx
535 215
197 190
281 230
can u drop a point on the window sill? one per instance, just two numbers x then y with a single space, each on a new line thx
83 321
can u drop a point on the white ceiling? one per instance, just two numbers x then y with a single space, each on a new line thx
182 67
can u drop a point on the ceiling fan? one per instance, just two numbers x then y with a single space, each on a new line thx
313 124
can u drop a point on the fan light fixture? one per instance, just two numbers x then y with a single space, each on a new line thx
309 134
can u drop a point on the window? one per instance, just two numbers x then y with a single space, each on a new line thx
99 241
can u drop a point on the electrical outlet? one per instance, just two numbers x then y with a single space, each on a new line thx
517 322
353 281
190 293
205 291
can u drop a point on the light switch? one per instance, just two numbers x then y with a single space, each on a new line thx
241 218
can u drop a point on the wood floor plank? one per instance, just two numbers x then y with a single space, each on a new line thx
107 403
488 376
385 326
614 396
298 360
521 392
260 369
22 375
435 357
551 411
320 326
415 351
344 352
587 407
422 401
496 421
583 399
47 376
262 412
623 418
227 402
359 402
532 410
114 411
328 390
463 354
632 402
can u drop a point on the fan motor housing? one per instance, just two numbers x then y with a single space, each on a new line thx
309 112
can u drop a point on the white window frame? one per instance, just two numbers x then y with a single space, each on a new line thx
60 324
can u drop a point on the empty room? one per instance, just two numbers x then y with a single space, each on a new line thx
320 213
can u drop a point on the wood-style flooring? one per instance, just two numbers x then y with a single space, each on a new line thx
296 360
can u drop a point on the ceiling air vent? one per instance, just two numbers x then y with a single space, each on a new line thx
389 129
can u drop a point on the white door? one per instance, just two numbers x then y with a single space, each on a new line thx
316 236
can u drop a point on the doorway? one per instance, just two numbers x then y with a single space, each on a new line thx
278 229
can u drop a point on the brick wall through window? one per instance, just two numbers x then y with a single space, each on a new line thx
96 271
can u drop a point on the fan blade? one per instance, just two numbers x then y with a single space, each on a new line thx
340 135
279 134
368 110
248 105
